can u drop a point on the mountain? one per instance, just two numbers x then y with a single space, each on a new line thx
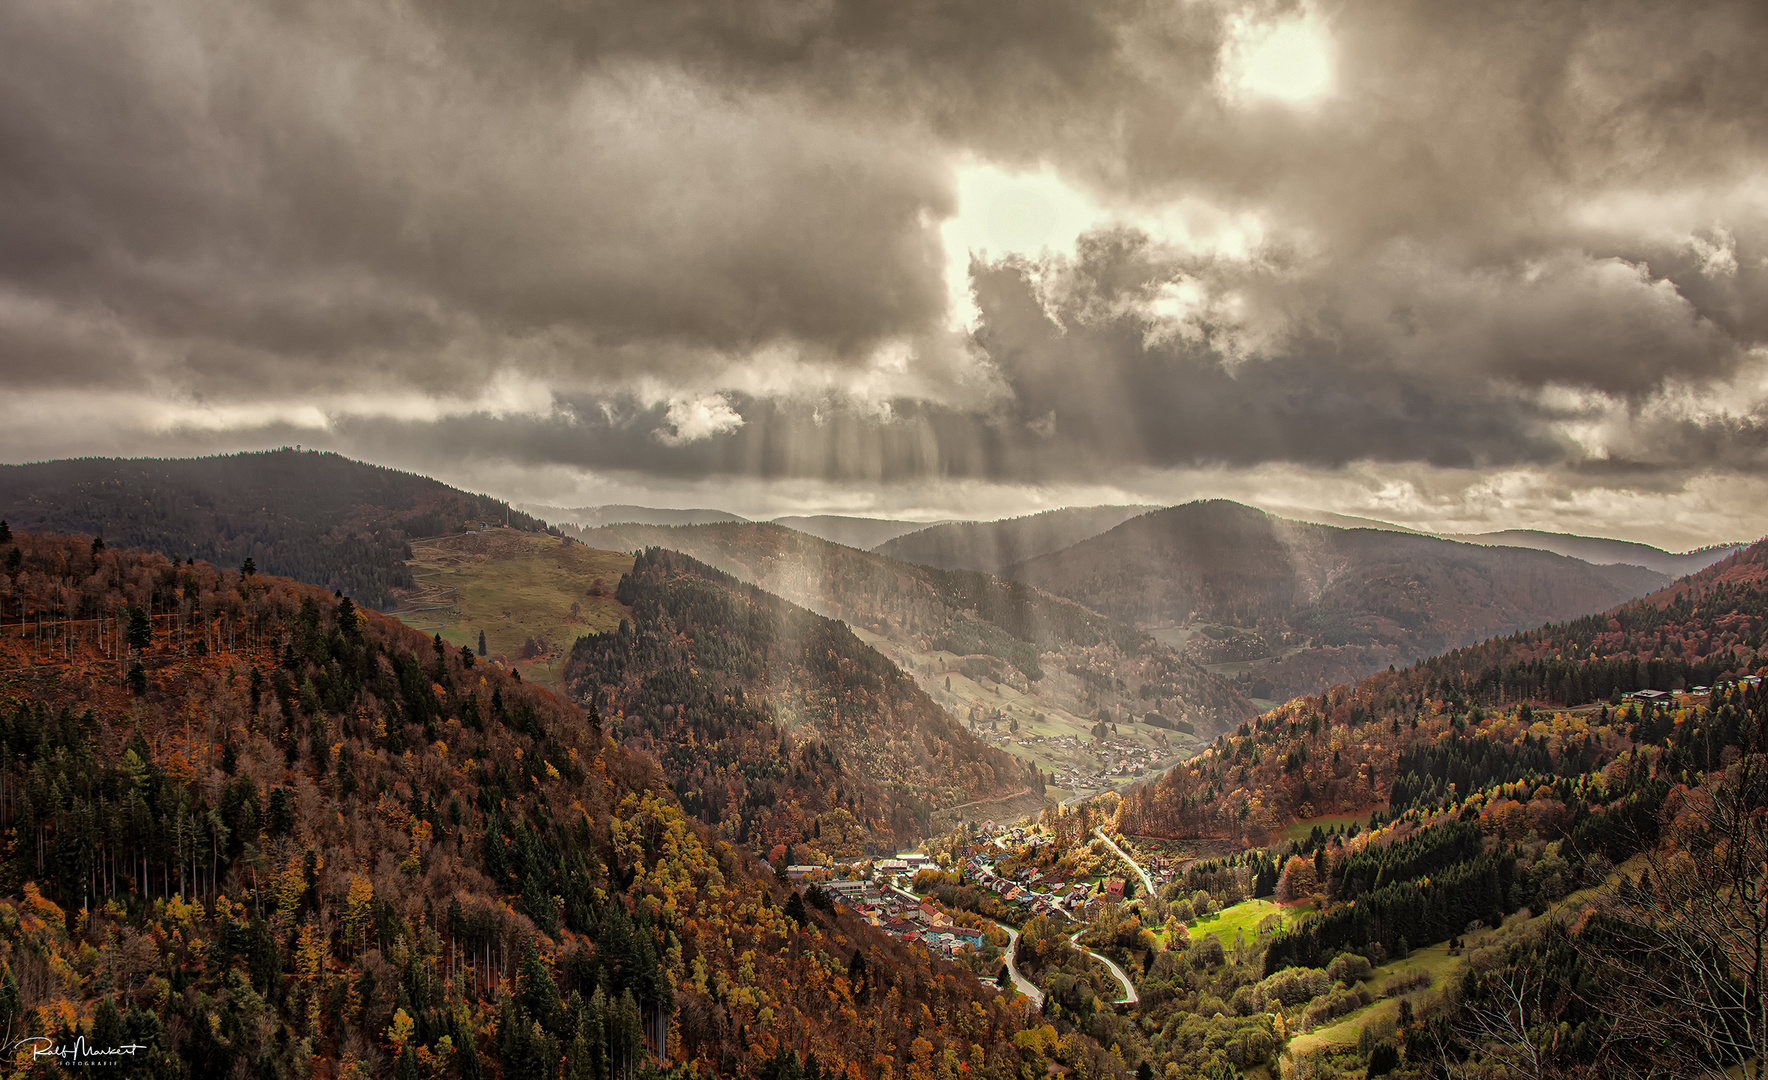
1549 841
778 726
990 546
1033 673
1604 552
316 517
266 833
592 517
854 532
1345 748
1299 606
1699 631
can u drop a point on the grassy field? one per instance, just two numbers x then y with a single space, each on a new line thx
1300 830
1435 959
1239 921
515 586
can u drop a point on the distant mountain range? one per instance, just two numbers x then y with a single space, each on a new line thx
991 546
594 517
1605 552
1307 605
854 532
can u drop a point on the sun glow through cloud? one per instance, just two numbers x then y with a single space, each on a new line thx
1289 60
1002 213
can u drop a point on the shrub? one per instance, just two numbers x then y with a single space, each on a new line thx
1405 984
1292 986
1349 968
1332 1006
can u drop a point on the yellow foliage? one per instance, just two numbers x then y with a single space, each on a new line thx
399 1033
42 907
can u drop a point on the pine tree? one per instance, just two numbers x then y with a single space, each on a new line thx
481 643
539 994
140 629
5 532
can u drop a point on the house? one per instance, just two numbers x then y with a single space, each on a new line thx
846 891
1114 889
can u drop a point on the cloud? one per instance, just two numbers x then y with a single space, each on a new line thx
697 419
951 243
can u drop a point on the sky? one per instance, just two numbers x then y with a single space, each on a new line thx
1461 267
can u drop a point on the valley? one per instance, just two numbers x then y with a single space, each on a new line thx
939 787
1023 665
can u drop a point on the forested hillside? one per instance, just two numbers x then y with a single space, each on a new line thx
778 726
1621 850
1696 632
1059 654
1347 748
1302 606
315 517
257 831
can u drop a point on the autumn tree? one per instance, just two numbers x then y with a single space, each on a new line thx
1681 955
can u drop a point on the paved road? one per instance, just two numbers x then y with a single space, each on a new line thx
1147 882
1130 997
1020 982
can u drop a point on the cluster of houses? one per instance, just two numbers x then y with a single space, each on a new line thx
1693 691
1043 895
893 910
1117 760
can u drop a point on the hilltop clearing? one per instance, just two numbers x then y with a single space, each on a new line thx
530 594
1285 607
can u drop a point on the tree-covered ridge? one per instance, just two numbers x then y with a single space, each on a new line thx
259 831
315 517
778 726
1392 736
1704 629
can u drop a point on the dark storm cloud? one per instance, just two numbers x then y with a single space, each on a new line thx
1504 216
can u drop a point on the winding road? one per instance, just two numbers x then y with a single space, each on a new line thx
1147 882
1020 982
1130 997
